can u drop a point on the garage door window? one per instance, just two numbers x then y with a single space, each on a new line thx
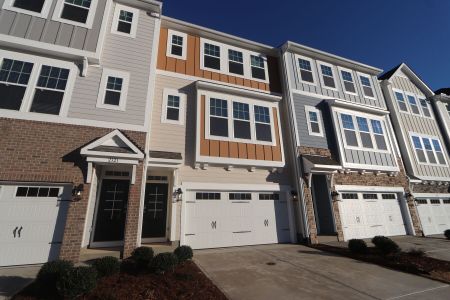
370 196
446 201
421 201
207 196
267 196
435 201
31 191
349 196
388 196
240 196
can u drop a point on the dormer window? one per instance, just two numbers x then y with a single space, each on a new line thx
211 57
258 67
176 44
327 76
367 86
75 12
235 62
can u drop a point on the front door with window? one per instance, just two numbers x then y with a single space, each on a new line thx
111 211
155 210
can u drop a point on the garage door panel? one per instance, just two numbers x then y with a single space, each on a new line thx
434 215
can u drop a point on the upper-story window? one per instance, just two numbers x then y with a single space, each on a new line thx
327 76
401 101
258 67
176 44
347 79
314 121
125 21
413 104
76 12
379 134
306 70
428 149
419 149
113 90
425 107
14 78
235 62
349 130
438 151
218 123
173 107
367 86
262 124
241 120
364 132
39 8
211 58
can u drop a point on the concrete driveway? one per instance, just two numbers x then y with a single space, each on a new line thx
13 279
434 246
299 272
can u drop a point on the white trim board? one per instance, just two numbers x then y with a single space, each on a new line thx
234 187
361 188
430 195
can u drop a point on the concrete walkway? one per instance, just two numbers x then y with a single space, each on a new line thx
298 272
13 279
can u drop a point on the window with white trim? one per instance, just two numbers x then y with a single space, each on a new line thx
262 124
327 76
125 21
218 117
378 132
38 8
428 149
419 149
366 86
75 12
348 196
113 90
425 107
176 44
364 132
413 104
14 78
173 107
401 101
258 67
349 130
235 62
241 121
211 56
438 150
348 83
314 121
306 70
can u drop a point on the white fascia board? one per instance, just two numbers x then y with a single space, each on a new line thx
406 69
147 5
361 188
433 178
371 167
430 195
358 106
103 160
211 160
234 187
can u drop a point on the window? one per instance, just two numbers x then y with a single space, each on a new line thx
14 78
370 196
218 123
421 201
262 124
241 120
211 57
117 173
207 196
435 201
176 44
367 86
125 21
429 150
157 178
240 196
413 104
438 151
401 101
306 71
235 62
379 135
419 149
113 90
349 196
388 196
258 67
39 8
49 93
327 76
269 196
75 12
364 132
347 79
314 121
31 191
425 107
173 107
349 130
446 201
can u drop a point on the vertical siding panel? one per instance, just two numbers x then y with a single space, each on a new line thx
78 38
232 79
234 151
190 62
242 150
215 76
276 150
207 74
35 30
214 148
267 153
198 71
259 152
224 78
247 83
20 26
251 151
171 64
239 81
64 35
224 149
204 144
6 21
180 66
162 49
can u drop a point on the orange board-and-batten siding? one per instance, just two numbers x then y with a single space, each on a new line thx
228 149
191 66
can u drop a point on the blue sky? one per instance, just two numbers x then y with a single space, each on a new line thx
381 33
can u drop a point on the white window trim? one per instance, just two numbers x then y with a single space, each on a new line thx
418 98
170 33
89 21
408 94
359 74
431 138
224 60
319 120
340 69
369 117
8 5
38 62
313 69
181 115
319 71
134 22
123 93
404 98
251 103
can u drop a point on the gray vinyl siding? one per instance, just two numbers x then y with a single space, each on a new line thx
339 94
132 55
45 30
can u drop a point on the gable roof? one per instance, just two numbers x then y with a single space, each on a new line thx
388 74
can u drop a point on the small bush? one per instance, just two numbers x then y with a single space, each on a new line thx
416 252
142 257
106 266
164 262
385 245
183 253
357 246
447 234
77 281
50 272
128 266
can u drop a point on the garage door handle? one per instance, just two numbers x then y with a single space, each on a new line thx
20 230
15 231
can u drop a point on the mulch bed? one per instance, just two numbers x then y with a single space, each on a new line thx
419 265
187 281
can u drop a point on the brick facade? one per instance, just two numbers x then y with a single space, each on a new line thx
47 152
431 188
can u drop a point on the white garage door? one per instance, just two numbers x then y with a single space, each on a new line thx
31 223
434 215
365 215
226 219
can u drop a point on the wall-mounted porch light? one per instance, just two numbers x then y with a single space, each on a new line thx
76 192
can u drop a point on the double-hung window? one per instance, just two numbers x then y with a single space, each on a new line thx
39 8
218 117
438 151
419 149
349 84
327 76
125 21
429 150
413 104
349 130
113 90
366 86
314 121
176 44
235 62
306 71
399 96
75 12
377 129
258 67
211 56
425 107
364 132
173 107
241 120
262 124
14 78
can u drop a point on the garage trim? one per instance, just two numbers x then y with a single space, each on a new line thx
430 195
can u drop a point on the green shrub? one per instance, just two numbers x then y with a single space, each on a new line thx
76 282
357 246
385 245
447 234
416 252
106 266
164 262
128 266
142 256
183 253
49 273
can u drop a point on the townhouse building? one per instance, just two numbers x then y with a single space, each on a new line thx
73 118
422 144
345 157
217 173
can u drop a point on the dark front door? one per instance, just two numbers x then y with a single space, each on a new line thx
155 210
321 196
111 211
